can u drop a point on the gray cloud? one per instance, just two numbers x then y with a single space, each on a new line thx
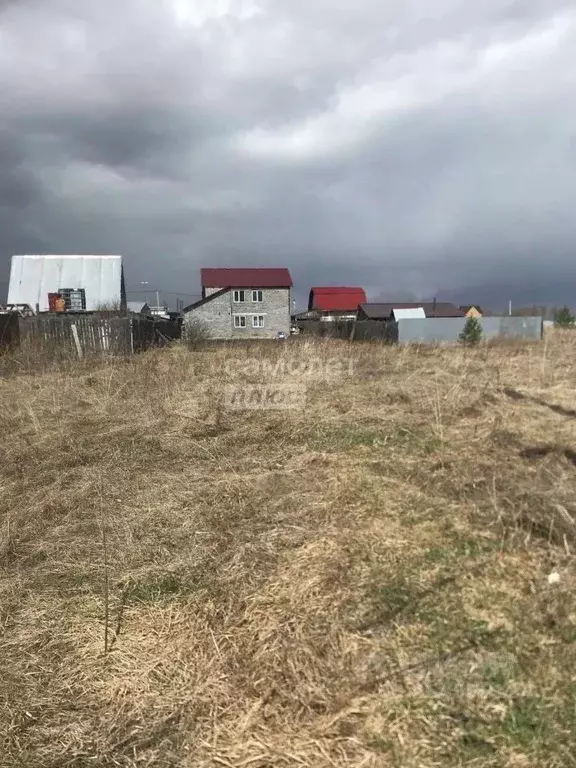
410 148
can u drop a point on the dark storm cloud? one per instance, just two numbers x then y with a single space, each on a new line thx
18 187
405 147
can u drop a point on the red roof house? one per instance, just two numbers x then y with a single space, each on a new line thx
246 303
336 299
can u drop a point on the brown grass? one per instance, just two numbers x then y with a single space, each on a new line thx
363 582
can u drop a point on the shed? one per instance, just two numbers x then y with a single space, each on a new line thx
138 308
32 278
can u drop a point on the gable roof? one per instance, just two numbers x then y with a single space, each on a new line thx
33 277
336 299
467 307
138 307
383 311
251 277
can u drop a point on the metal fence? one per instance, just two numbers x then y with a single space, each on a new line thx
437 330
432 330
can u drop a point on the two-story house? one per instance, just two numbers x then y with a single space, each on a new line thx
243 303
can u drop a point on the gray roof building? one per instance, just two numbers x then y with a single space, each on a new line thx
32 278
138 308
385 310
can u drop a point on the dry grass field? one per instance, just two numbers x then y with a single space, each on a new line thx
384 577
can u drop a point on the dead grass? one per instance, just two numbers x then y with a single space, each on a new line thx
363 582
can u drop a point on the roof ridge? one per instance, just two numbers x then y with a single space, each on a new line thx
246 277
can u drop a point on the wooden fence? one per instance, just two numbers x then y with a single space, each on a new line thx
152 332
83 335
89 335
334 329
353 330
9 330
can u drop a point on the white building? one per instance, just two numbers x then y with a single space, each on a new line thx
32 278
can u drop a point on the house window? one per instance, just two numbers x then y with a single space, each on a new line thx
239 297
239 321
258 321
257 296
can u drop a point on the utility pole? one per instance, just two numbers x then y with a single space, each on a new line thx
509 308
145 283
158 299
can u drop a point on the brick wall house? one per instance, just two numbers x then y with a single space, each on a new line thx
243 303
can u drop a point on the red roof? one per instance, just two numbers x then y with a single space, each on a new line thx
253 277
336 299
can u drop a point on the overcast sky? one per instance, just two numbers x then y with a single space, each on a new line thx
409 146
